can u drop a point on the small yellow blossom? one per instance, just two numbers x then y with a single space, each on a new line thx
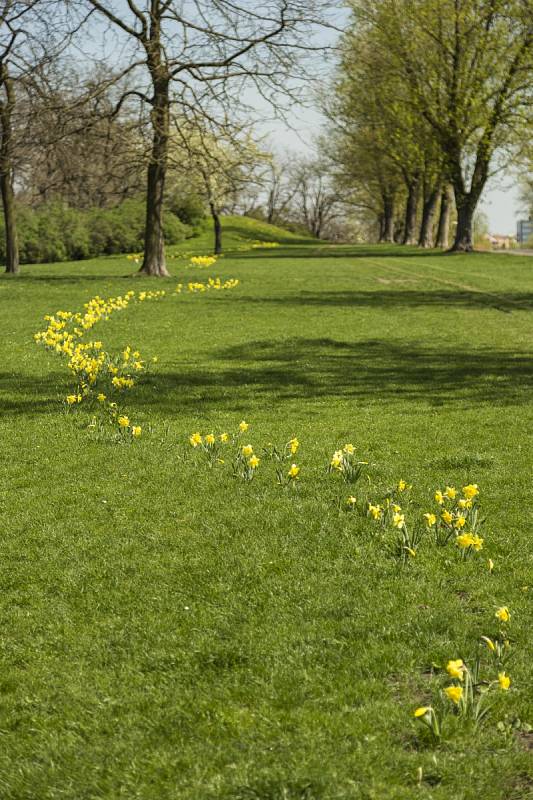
439 497
210 439
351 501
294 445
451 492
101 398
455 668
504 681
503 614
136 431
294 471
490 565
123 421
422 711
375 511
71 399
490 644
224 437
337 460
460 522
470 491
243 426
247 450
254 462
396 508
402 485
430 519
398 520
446 517
195 439
349 448
454 693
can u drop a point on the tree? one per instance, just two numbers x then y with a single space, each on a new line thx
316 201
198 57
219 167
467 65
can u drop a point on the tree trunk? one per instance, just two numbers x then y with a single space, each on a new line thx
411 210
154 244
428 214
387 229
217 227
6 174
443 231
464 235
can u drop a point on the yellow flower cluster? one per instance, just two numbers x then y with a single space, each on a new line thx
456 511
212 283
267 245
203 261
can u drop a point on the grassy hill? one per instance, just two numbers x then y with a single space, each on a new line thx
173 630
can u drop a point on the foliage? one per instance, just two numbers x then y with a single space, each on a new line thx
55 232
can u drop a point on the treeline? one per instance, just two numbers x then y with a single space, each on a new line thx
431 98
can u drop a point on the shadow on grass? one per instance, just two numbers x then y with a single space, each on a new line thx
368 371
399 298
271 371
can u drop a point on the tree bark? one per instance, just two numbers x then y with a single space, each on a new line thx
6 173
464 235
443 230
428 214
217 228
387 227
411 210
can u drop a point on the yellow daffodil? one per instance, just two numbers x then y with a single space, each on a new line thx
210 439
337 460
503 614
431 519
464 540
136 431
247 450
195 439
490 565
455 668
504 681
71 399
254 462
439 497
422 711
351 501
243 426
375 511
454 693
123 421
101 398
349 448
294 471
396 508
402 485
460 522
490 644
294 444
398 520
470 491
446 517
224 437
451 492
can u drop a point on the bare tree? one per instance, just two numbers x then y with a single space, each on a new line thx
198 57
316 200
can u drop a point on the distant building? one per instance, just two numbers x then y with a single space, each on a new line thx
498 242
524 231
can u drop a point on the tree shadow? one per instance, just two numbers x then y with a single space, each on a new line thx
314 369
399 298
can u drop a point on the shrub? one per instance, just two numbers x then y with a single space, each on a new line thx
55 232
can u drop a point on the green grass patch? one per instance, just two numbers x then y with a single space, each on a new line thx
171 631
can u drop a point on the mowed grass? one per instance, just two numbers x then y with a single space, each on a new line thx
170 632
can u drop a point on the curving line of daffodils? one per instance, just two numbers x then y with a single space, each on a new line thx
454 519
98 372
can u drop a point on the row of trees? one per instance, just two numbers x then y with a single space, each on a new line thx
167 79
432 97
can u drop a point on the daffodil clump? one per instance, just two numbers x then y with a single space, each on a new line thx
467 696
203 261
344 462
266 245
215 284
456 518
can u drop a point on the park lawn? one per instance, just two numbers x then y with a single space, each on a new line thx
169 631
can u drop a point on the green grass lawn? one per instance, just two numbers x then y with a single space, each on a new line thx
170 631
